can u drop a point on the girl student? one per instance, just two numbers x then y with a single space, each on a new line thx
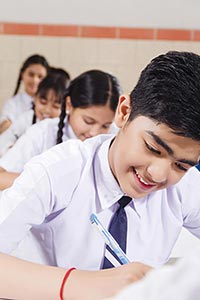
60 73
87 110
33 70
47 104
150 160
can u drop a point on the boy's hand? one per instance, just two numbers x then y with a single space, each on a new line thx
96 285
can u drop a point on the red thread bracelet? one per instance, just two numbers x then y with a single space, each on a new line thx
63 282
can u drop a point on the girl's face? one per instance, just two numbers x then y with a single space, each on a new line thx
147 156
90 121
32 76
47 107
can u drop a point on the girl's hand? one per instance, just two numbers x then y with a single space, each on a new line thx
4 125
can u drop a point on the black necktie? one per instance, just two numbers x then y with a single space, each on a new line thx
118 229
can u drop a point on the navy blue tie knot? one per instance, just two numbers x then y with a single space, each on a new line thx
118 229
123 201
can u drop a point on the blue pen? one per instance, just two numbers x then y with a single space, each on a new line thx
110 241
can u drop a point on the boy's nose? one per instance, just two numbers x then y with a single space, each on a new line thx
159 171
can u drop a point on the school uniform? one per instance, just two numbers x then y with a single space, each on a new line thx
17 129
180 281
58 190
37 139
15 106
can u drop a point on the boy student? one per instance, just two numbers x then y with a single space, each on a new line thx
150 160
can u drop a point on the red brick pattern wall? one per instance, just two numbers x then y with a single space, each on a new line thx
100 32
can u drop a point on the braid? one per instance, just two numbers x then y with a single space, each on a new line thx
62 117
34 115
18 84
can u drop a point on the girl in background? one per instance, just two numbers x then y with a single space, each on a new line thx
61 74
47 104
33 70
88 109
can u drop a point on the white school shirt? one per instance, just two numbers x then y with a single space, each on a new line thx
58 190
180 281
9 137
36 140
15 106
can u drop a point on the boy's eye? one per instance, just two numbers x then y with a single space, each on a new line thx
150 148
180 167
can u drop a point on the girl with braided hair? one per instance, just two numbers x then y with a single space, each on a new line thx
90 105
88 109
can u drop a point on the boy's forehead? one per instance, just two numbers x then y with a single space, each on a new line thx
152 125
172 141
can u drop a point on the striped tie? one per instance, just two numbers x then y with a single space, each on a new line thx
118 229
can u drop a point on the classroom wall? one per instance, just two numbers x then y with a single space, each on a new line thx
116 36
125 13
123 57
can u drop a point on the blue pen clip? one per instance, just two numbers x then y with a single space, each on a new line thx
109 240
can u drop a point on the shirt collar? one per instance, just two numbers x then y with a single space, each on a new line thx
26 96
107 187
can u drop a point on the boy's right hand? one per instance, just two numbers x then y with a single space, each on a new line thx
96 285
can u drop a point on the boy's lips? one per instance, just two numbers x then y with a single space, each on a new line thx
144 183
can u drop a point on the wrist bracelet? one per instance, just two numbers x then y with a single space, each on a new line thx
64 280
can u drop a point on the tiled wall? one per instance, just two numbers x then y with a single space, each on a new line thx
122 51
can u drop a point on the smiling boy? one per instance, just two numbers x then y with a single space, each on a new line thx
148 160
154 156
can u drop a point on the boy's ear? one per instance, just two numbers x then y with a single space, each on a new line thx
123 110
68 104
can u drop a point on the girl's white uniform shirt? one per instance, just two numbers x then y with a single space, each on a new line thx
36 140
58 190
17 129
15 106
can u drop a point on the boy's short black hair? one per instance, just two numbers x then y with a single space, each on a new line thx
168 91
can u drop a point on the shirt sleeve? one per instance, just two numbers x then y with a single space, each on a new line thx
26 147
8 111
189 190
13 133
7 140
24 205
